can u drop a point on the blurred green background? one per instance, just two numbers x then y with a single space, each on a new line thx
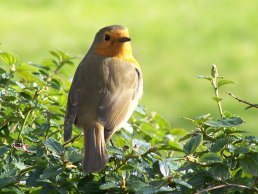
174 41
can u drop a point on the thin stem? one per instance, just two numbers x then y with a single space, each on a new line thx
124 161
216 90
215 75
23 124
25 170
250 105
73 139
226 185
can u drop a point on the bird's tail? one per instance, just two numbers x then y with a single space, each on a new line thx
95 152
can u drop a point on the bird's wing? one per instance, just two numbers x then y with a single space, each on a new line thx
72 108
118 103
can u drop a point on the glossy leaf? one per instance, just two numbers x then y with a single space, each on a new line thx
220 143
54 146
231 122
210 158
220 172
249 163
8 58
51 171
192 144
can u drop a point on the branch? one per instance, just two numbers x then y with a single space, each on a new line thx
250 105
76 137
227 185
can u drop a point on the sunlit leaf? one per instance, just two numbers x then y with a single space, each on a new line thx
164 168
210 158
181 182
11 190
8 58
235 121
107 186
224 82
217 99
204 77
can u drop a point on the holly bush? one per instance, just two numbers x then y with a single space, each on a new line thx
146 156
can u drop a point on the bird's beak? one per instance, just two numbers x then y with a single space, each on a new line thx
124 39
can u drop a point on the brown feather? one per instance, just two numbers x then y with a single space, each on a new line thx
103 95
95 152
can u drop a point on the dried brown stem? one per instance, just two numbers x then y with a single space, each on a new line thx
250 105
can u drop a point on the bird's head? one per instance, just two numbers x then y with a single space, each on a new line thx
113 41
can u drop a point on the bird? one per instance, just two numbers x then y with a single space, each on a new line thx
106 89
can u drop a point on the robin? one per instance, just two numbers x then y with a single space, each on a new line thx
104 93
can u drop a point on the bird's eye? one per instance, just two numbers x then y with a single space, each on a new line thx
107 37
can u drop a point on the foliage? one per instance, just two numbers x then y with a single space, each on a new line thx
173 40
146 156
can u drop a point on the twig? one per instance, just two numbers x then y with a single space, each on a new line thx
73 139
250 105
125 160
227 185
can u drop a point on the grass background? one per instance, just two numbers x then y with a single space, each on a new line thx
174 41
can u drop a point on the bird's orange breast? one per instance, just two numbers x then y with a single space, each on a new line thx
117 50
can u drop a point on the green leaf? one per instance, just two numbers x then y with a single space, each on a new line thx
170 148
234 121
164 168
224 82
107 186
4 149
220 172
51 171
181 182
140 146
32 180
241 150
55 83
140 109
204 77
11 190
6 181
54 146
252 139
220 143
2 71
45 126
210 158
203 117
185 137
229 131
192 144
115 150
8 58
217 99
73 155
143 188
127 167
162 122
250 163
